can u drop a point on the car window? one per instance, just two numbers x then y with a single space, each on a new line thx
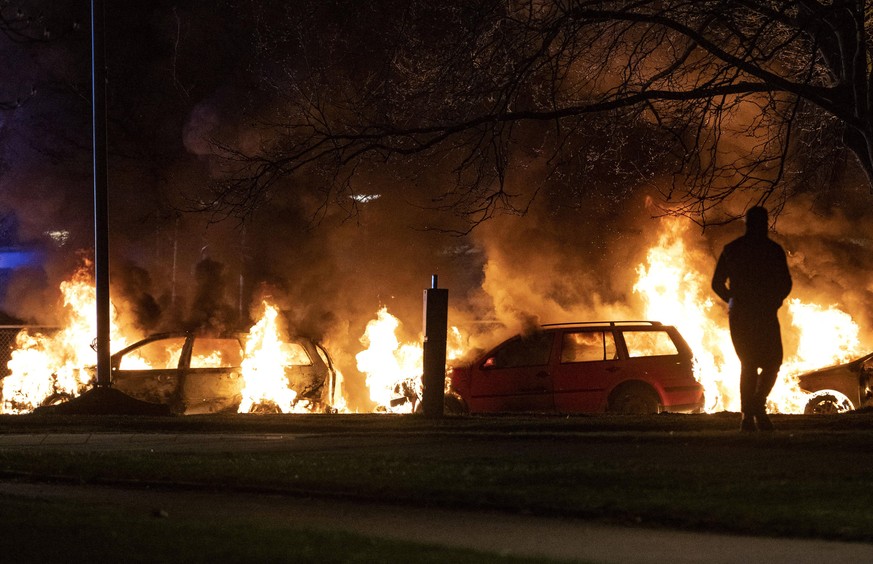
532 350
588 346
154 355
298 355
649 343
216 353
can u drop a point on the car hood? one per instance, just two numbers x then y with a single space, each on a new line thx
852 366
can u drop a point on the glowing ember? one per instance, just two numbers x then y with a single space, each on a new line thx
263 368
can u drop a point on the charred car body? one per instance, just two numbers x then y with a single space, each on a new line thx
196 374
839 388
614 366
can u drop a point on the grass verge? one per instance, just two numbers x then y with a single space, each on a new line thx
50 531
809 479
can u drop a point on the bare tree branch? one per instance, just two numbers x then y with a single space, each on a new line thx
474 84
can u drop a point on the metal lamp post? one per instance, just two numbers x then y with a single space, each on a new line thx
101 191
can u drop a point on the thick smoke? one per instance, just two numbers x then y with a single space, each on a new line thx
571 257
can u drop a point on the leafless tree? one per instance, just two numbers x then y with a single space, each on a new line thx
23 25
742 97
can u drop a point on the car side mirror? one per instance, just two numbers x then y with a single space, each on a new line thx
490 362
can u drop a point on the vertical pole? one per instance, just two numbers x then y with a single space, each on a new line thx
433 381
242 269
101 213
175 260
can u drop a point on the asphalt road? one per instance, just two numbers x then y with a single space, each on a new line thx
494 532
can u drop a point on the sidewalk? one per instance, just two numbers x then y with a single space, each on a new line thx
156 442
490 532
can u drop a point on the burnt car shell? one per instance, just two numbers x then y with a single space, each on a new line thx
854 380
196 374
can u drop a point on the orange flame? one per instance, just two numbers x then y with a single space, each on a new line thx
385 361
676 291
267 353
45 365
390 365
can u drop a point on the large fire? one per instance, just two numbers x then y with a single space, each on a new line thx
267 353
672 282
392 368
51 364
58 365
675 286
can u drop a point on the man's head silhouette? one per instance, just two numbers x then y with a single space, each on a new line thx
757 223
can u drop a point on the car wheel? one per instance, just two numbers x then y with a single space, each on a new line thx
454 405
56 399
634 399
265 408
827 402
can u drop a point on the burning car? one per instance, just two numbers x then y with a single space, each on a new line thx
617 366
196 374
839 388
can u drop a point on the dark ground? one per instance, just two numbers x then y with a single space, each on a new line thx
668 481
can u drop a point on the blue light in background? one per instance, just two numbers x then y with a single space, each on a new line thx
17 258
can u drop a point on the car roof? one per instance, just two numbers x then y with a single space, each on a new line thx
642 323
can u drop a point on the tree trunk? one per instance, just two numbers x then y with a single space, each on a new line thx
861 144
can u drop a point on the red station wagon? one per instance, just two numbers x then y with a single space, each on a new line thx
616 366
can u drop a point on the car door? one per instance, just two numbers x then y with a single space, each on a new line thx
654 356
212 375
306 369
516 376
149 369
588 365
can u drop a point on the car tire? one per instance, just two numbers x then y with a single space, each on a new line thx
454 405
826 404
56 399
265 408
634 399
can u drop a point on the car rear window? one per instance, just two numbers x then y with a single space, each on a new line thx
649 343
588 346
216 353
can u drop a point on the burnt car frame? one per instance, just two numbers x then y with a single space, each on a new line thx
196 374
634 367
839 388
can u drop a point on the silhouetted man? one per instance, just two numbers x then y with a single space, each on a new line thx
752 277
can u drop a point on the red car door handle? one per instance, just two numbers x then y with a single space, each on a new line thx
613 369
542 374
